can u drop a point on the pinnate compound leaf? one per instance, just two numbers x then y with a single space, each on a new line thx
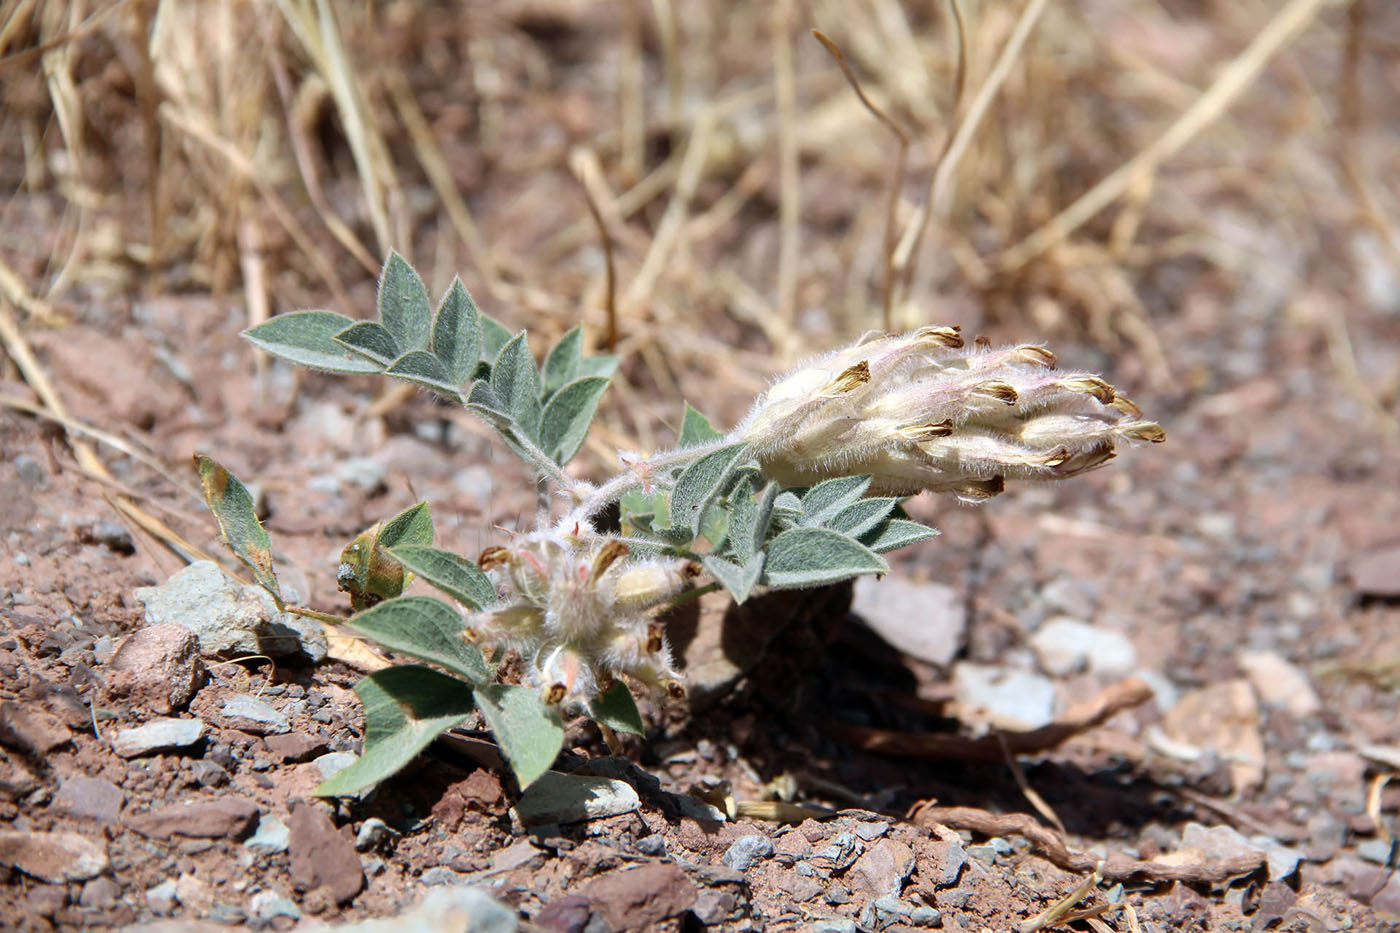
414 525
528 731
802 557
696 428
700 482
406 707
425 628
617 710
824 500
232 506
569 415
454 575
561 365
308 338
370 340
738 580
404 308
457 334
516 382
423 368
859 517
897 533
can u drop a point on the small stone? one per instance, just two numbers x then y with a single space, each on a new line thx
869 832
1376 573
1376 850
209 773
16 777
249 714
570 798
373 833
949 859
1275 901
653 845
884 912
194 892
1280 685
452 908
158 666
439 875
835 925
99 894
224 817
30 729
89 798
266 906
271 836
158 735
518 854
322 856
923 916
1066 646
1387 899
1326 835
1224 717
746 850
1005 697
838 854
53 857
642 897
567 914
1361 880
1283 860
295 746
332 764
161 899
927 621
883 869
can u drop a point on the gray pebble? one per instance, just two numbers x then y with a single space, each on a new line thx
746 850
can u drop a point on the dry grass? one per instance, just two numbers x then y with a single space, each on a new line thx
1065 164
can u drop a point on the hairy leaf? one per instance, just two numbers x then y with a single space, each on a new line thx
370 340
233 509
824 500
457 334
696 429
425 628
896 533
406 707
494 336
454 575
802 557
743 535
859 517
426 370
600 364
617 710
700 482
516 382
529 732
308 338
561 365
738 580
568 416
414 525
404 308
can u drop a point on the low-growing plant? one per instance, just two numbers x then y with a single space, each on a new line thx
804 492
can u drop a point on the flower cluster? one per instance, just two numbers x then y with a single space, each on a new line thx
581 613
922 411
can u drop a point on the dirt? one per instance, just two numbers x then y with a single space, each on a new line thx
1250 563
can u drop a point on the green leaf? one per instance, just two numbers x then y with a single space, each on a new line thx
457 334
824 500
528 731
568 416
456 576
802 557
516 382
425 628
617 710
370 340
561 365
696 429
426 370
738 580
859 517
404 308
308 338
232 506
485 405
643 510
742 537
600 365
414 525
700 482
897 533
406 707
494 336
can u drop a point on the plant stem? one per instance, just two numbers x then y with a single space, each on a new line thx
324 617
692 595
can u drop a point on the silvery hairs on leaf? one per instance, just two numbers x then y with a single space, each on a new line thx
922 411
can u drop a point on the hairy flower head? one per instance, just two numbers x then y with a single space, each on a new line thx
922 411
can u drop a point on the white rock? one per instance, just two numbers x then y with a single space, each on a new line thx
157 735
1279 683
572 798
923 620
1067 646
1007 698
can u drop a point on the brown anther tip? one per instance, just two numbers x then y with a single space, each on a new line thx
927 431
1037 356
691 570
852 377
1145 431
493 556
950 337
982 342
1091 385
1125 405
675 690
982 488
611 553
1001 391
1056 457
556 694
